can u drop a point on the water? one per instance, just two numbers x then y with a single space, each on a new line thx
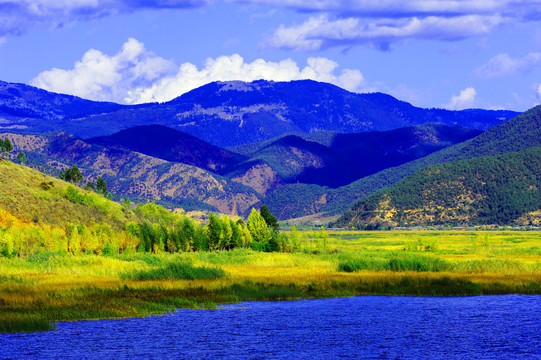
367 327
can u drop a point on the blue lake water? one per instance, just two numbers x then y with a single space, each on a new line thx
365 327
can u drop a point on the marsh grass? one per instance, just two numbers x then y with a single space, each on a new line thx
54 286
395 262
176 271
24 323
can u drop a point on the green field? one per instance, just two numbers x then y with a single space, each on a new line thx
47 287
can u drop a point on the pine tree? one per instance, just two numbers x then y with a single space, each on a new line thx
270 219
101 186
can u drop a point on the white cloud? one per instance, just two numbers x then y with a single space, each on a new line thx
503 64
322 31
107 78
370 21
465 100
16 17
411 7
135 75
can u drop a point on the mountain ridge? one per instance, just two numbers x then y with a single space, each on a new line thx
231 113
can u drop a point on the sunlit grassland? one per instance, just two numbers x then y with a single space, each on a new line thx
48 287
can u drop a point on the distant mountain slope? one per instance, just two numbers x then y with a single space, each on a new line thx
497 189
128 173
171 145
519 133
26 107
291 159
334 159
232 113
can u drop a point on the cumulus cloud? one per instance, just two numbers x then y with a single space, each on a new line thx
465 100
135 75
98 76
322 32
503 64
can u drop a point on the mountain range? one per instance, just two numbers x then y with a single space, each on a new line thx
300 147
232 113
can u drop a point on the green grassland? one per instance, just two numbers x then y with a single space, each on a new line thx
46 287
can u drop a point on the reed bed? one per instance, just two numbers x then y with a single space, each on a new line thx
46 287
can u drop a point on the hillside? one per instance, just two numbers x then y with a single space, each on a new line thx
500 189
232 113
32 197
519 133
135 175
334 159
172 145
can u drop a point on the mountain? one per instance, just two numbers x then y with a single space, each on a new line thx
519 133
500 189
135 175
334 159
24 107
231 113
171 145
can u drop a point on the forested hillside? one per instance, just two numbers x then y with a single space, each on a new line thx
519 133
500 189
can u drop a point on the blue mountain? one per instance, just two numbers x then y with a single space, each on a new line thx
232 113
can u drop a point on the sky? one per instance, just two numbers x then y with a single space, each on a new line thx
444 54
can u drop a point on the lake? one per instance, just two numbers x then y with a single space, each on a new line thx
365 327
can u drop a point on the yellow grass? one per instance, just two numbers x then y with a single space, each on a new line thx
68 287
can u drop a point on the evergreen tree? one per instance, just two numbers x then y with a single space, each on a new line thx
90 186
5 146
22 158
101 186
76 176
270 219
71 175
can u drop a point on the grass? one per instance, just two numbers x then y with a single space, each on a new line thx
176 271
48 287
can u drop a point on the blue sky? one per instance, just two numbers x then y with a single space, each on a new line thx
451 54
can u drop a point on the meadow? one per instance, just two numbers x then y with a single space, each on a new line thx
46 287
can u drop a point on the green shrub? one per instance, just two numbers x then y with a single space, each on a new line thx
75 197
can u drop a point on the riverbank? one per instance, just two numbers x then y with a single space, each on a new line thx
47 287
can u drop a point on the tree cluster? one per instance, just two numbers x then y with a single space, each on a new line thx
160 230
72 174
5 146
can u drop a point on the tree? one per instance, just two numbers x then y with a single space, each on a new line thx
259 230
22 158
101 186
90 186
215 234
76 176
270 219
71 175
5 146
